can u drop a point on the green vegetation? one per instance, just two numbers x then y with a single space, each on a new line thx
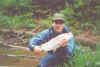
87 58
80 15
15 22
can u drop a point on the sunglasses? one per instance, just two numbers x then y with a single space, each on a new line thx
59 22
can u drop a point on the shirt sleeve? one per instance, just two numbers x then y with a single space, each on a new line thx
39 39
70 43
70 46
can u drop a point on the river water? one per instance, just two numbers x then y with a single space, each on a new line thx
4 60
17 61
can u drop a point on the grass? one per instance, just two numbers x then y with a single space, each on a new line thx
86 58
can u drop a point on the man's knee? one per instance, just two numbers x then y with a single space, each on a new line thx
47 61
44 64
40 65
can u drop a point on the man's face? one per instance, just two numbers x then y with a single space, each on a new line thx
58 25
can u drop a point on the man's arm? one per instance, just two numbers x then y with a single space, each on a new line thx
39 39
70 43
70 46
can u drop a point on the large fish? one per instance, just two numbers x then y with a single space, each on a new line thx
54 43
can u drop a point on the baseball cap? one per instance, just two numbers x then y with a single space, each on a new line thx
58 16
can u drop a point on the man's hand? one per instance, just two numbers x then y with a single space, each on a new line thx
63 43
37 50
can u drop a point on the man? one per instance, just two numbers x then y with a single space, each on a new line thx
54 56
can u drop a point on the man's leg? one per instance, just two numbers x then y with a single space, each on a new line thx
50 60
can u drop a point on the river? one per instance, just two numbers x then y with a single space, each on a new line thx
17 61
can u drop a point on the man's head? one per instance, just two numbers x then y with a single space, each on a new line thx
58 22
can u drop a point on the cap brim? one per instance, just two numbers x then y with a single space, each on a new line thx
58 19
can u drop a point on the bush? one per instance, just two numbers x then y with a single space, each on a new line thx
15 22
